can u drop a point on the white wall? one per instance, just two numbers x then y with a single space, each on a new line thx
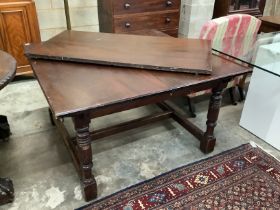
52 21
194 13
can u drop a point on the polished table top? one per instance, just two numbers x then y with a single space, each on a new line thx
125 50
271 19
72 87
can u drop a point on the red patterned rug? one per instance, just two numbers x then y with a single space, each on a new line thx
241 178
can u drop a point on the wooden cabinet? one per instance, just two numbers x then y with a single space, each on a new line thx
126 16
229 7
18 25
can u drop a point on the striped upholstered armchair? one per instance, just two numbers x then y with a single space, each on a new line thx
235 35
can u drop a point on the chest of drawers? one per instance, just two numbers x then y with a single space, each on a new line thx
126 16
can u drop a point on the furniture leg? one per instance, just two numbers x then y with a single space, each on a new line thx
253 4
191 107
84 152
6 185
232 95
51 117
262 5
241 93
237 5
6 191
208 142
5 131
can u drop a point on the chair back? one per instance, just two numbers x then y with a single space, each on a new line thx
233 34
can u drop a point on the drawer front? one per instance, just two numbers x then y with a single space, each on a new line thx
171 32
169 20
138 6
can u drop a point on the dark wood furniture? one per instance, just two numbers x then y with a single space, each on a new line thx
237 4
270 24
229 7
221 8
18 25
7 73
165 54
125 16
87 91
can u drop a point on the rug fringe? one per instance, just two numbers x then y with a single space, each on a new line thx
255 145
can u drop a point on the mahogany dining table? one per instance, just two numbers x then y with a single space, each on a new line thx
86 91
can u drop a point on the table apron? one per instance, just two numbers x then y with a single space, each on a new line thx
146 100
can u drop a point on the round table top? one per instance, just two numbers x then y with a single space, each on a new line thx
8 67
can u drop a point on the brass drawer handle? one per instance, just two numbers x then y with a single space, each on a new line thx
127 25
169 3
167 20
126 5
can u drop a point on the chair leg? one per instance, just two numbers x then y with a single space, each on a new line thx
5 131
232 95
241 93
191 107
51 117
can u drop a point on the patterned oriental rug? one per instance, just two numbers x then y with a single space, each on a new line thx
242 178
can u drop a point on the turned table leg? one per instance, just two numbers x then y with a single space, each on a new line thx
208 142
84 151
